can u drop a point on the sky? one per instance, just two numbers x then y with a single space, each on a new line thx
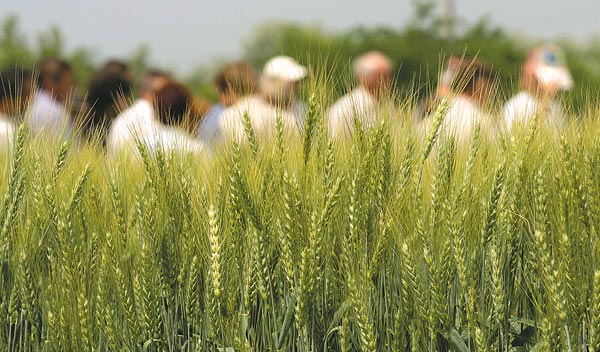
184 34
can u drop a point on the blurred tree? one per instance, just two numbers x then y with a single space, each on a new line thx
139 60
51 43
82 61
200 79
13 46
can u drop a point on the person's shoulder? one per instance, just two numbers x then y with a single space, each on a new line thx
521 103
464 110
460 103
520 99
138 108
43 103
341 104
352 96
358 98
126 122
171 138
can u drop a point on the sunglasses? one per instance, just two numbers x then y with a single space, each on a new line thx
552 58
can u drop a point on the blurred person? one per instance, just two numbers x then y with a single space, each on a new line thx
279 84
108 94
49 108
428 105
373 74
234 81
174 103
544 75
137 122
263 119
471 91
445 83
15 88
278 88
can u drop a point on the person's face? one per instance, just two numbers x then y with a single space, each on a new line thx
378 82
286 92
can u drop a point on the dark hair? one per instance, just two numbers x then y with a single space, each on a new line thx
238 77
115 66
467 73
173 102
13 83
107 93
52 69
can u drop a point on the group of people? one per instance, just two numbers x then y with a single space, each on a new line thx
469 86
166 115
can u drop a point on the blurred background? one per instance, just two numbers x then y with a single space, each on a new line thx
193 39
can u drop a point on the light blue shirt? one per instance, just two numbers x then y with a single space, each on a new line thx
209 130
48 116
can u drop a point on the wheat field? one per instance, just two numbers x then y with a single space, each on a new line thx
391 241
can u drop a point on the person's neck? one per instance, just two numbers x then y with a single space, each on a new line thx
376 93
284 104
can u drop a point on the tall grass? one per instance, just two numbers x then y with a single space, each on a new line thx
388 241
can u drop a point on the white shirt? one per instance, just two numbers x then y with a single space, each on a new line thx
358 103
7 132
263 118
461 118
47 115
521 108
171 139
135 123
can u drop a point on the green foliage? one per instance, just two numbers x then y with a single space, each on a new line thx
13 47
377 243
389 241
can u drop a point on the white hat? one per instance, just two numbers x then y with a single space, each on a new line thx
284 68
551 69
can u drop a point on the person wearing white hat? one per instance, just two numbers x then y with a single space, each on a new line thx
278 86
372 72
544 75
279 83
